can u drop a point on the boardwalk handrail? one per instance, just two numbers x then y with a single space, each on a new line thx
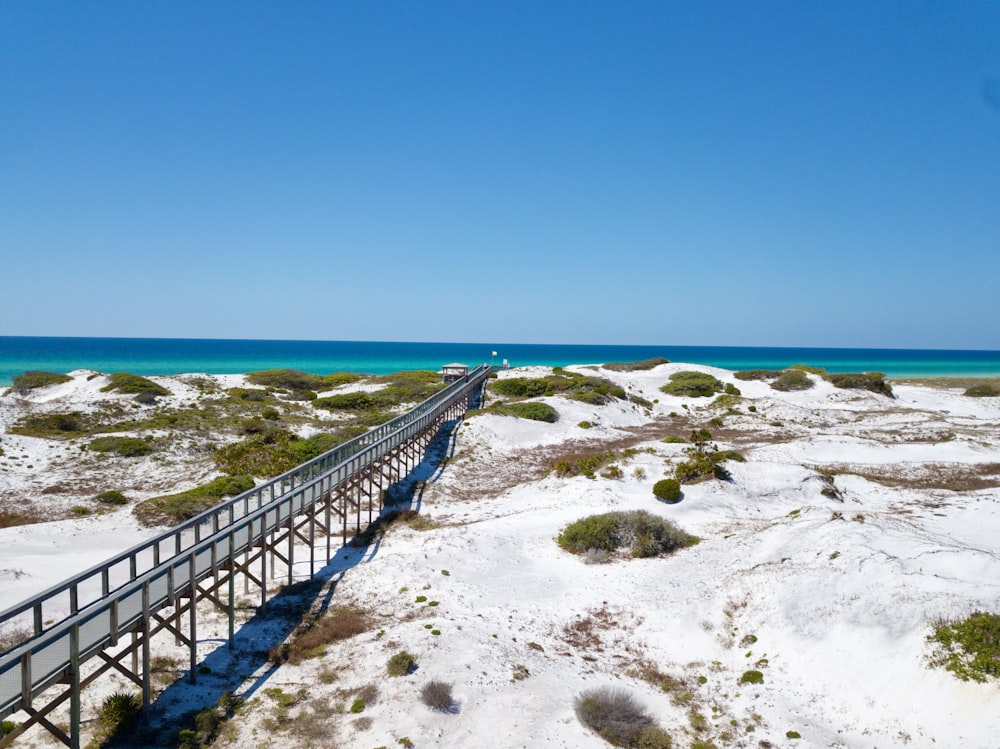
224 514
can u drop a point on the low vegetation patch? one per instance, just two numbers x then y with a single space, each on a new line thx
594 390
635 366
272 452
311 638
758 374
129 447
792 380
618 718
35 378
111 497
533 410
354 401
130 384
644 534
692 385
984 390
872 381
583 465
969 647
752 677
389 518
54 426
173 509
293 379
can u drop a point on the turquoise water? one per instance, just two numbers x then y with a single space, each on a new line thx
152 356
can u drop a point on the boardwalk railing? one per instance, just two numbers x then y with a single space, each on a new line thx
122 594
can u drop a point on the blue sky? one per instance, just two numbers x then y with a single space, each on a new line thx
702 173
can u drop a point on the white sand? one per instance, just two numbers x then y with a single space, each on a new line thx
840 606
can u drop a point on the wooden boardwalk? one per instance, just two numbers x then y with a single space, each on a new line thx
117 607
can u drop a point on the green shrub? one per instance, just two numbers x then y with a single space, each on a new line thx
172 509
669 490
644 534
731 389
752 677
401 664
982 391
130 384
700 466
111 497
969 647
117 714
873 381
793 735
585 425
818 371
635 366
792 379
692 385
529 410
34 378
129 447
356 401
674 439
272 452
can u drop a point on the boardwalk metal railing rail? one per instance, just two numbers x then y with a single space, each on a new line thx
108 600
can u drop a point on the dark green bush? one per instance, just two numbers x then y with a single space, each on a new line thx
752 677
873 381
130 384
401 664
732 455
634 366
982 391
35 378
969 647
529 410
731 389
522 387
692 385
172 509
112 497
792 379
129 447
645 534
669 490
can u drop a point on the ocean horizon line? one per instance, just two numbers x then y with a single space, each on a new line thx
172 356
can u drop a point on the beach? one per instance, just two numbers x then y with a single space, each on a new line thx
850 522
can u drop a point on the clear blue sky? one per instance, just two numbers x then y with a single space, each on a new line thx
745 173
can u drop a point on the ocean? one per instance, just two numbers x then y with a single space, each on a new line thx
162 356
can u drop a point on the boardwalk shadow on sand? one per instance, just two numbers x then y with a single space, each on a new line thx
224 670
